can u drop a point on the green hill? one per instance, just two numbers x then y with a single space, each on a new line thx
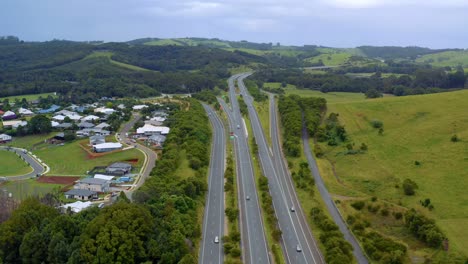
447 58
416 128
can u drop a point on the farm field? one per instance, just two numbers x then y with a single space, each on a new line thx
416 128
12 165
447 58
331 59
71 159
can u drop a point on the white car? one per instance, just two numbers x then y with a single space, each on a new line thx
247 198
298 248
293 209
216 240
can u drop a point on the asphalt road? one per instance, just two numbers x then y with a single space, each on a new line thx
35 165
213 224
253 241
150 155
357 251
294 233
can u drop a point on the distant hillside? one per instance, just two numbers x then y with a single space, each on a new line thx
392 52
446 58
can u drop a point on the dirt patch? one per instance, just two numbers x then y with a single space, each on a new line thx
64 180
132 161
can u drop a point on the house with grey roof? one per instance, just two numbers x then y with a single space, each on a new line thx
81 194
93 184
84 125
97 139
119 168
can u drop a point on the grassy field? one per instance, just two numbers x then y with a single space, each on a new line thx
447 58
71 159
263 111
28 141
416 128
108 55
163 42
29 97
332 97
330 59
27 188
12 165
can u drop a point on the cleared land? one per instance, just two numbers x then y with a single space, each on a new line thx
28 97
12 165
447 58
108 56
330 59
416 128
27 188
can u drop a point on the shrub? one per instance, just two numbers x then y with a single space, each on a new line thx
409 187
358 205
417 163
454 138
377 123
384 212
398 215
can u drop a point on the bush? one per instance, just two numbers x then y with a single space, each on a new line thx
377 123
398 215
409 187
384 212
454 138
424 228
358 205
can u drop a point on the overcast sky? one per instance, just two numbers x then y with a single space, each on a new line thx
337 23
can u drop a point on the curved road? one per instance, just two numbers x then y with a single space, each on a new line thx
37 167
213 224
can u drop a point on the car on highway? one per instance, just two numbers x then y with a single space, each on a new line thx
238 126
293 209
247 198
298 248
216 240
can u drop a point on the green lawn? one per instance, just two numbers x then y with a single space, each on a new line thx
71 159
446 58
12 165
416 128
27 142
263 111
330 59
29 97
27 188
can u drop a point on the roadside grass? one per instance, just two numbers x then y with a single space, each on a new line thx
184 171
27 188
332 97
278 85
108 55
257 174
446 58
263 111
12 165
70 159
28 97
27 142
416 128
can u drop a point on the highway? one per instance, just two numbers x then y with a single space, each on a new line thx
253 241
357 251
213 224
295 230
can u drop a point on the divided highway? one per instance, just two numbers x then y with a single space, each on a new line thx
298 243
253 241
211 250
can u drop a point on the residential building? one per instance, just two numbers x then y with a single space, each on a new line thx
5 138
96 140
152 130
64 125
119 168
106 147
92 184
76 207
84 125
104 110
104 177
157 139
92 131
81 194
51 109
102 125
14 123
25 112
9 115
90 118
139 107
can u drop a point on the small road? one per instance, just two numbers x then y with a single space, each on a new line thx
150 155
253 241
357 251
213 224
37 167
294 233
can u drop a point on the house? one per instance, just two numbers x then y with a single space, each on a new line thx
84 125
5 138
102 125
64 126
153 122
97 139
152 130
91 131
106 147
14 123
76 207
2 112
157 139
81 194
60 136
65 112
139 107
9 115
92 184
51 109
104 110
25 112
58 117
104 177
121 106
119 168
158 118
54 123
90 118
160 113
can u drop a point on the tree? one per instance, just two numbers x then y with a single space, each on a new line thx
373 93
39 124
454 138
409 187
363 147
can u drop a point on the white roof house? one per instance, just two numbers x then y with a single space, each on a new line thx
90 118
150 129
8 113
24 111
77 206
104 110
158 118
21 123
54 124
139 107
104 177
11 123
105 147
5 137
60 117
